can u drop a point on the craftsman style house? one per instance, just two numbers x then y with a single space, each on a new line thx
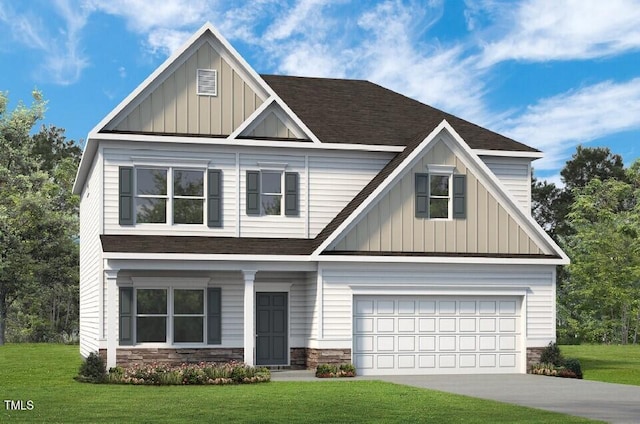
289 221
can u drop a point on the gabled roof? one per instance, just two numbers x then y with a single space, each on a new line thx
361 112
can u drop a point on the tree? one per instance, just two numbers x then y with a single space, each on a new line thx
604 276
38 214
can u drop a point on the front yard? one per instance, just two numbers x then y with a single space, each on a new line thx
43 374
609 363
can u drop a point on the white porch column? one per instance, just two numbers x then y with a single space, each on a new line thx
249 318
110 278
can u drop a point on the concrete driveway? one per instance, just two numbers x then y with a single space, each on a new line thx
614 403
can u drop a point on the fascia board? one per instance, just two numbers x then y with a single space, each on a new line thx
222 141
252 120
88 155
508 153
526 221
457 260
381 188
205 257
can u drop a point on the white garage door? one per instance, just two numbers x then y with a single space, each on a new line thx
437 335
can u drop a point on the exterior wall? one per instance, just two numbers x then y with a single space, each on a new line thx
341 282
90 260
328 181
391 225
175 107
272 126
515 175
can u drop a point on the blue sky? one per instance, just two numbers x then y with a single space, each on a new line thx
550 73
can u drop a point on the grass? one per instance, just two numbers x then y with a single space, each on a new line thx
609 363
44 375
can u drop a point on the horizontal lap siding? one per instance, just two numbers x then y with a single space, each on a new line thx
337 283
335 180
515 175
90 259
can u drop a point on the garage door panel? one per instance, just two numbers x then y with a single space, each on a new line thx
437 334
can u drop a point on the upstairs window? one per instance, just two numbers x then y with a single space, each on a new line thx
271 193
440 194
188 197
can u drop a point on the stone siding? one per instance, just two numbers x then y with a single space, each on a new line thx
533 356
130 356
327 356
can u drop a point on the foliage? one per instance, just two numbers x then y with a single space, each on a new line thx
573 365
92 370
551 355
183 374
41 373
331 370
38 227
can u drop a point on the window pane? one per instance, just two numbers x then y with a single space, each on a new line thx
152 181
151 329
439 208
188 211
151 210
151 301
188 302
439 185
271 182
188 183
271 204
188 329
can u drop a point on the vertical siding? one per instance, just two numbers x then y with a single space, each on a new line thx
174 106
271 126
340 281
90 260
515 175
488 227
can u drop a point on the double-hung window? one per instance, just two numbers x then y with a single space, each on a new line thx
188 315
188 197
271 192
440 193
151 195
151 315
439 196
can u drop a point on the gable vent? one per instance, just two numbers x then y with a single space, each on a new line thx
207 82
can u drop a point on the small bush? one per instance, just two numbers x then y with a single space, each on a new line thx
573 365
551 355
347 370
326 370
92 370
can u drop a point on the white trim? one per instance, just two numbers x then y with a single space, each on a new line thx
171 162
508 153
441 169
111 277
422 290
438 260
260 114
251 120
273 287
249 316
238 212
272 166
163 282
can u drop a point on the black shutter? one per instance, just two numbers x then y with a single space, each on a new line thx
126 315
214 198
126 196
459 196
253 192
214 316
291 196
422 195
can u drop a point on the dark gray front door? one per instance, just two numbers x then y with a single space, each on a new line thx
271 329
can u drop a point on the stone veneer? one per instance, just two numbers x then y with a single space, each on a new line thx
533 356
327 356
130 356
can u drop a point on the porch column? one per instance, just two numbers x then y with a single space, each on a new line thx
110 278
249 318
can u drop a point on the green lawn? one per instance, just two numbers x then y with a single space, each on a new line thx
610 363
44 375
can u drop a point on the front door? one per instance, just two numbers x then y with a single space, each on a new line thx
271 329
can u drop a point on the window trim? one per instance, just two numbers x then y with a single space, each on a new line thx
175 315
448 197
264 193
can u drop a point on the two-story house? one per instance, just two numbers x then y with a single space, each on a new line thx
293 221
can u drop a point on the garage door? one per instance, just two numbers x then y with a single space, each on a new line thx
437 335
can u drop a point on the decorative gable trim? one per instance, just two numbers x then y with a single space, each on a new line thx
293 123
470 160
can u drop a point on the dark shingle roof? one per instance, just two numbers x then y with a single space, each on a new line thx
360 112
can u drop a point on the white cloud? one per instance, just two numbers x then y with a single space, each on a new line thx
542 30
557 124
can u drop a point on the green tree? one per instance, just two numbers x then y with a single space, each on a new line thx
603 289
38 217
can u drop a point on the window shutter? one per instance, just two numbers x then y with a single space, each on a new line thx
422 195
291 195
126 196
126 315
253 193
214 316
214 198
459 196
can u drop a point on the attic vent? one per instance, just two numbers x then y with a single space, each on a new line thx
207 82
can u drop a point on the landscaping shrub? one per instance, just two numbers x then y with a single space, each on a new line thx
92 370
329 370
347 370
202 373
573 365
551 355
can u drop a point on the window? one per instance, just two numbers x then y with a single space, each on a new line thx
188 316
158 201
271 193
440 194
170 315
